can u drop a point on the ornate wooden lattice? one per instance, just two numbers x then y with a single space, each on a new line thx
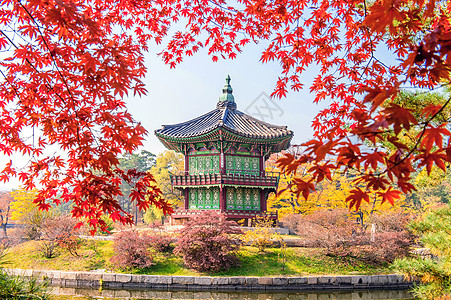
243 198
244 165
204 164
204 198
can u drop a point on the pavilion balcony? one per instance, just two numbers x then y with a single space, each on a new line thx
232 179
233 214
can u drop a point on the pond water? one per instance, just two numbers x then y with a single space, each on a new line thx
78 294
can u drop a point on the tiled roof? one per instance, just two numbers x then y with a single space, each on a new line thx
227 118
224 116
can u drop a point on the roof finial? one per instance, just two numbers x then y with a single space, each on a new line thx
227 92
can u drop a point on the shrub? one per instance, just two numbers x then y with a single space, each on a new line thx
340 235
58 231
261 235
389 240
208 242
131 250
329 229
291 221
162 243
385 247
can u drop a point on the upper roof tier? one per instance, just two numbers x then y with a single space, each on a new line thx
225 123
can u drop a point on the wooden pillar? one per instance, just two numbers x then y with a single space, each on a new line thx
222 199
186 165
186 198
263 200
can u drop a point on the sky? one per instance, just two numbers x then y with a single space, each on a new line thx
194 86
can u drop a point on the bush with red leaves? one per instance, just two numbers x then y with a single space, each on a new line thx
340 235
58 231
162 243
208 242
131 250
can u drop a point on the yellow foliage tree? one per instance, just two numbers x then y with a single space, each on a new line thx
23 205
25 212
330 194
166 163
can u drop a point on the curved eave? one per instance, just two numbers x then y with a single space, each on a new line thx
281 142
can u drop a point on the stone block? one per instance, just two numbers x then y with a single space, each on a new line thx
202 280
297 280
123 278
265 280
280 281
251 280
164 280
182 280
220 280
312 280
379 279
343 280
237 281
68 275
57 282
87 276
107 277
54 274
393 279
360 280
138 278
326 280
150 279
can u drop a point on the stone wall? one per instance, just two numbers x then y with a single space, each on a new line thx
189 283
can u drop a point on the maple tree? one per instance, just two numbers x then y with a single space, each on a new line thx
68 65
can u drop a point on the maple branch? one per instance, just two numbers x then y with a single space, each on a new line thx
419 138
63 79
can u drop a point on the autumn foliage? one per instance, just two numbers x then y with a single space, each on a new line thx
67 67
336 232
131 250
209 243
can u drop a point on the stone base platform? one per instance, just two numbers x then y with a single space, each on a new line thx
189 283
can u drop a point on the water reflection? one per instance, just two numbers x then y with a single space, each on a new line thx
241 295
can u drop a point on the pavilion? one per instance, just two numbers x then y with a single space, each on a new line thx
225 152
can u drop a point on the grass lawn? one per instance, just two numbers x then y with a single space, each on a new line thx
95 255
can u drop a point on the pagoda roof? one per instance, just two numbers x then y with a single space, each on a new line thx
228 118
